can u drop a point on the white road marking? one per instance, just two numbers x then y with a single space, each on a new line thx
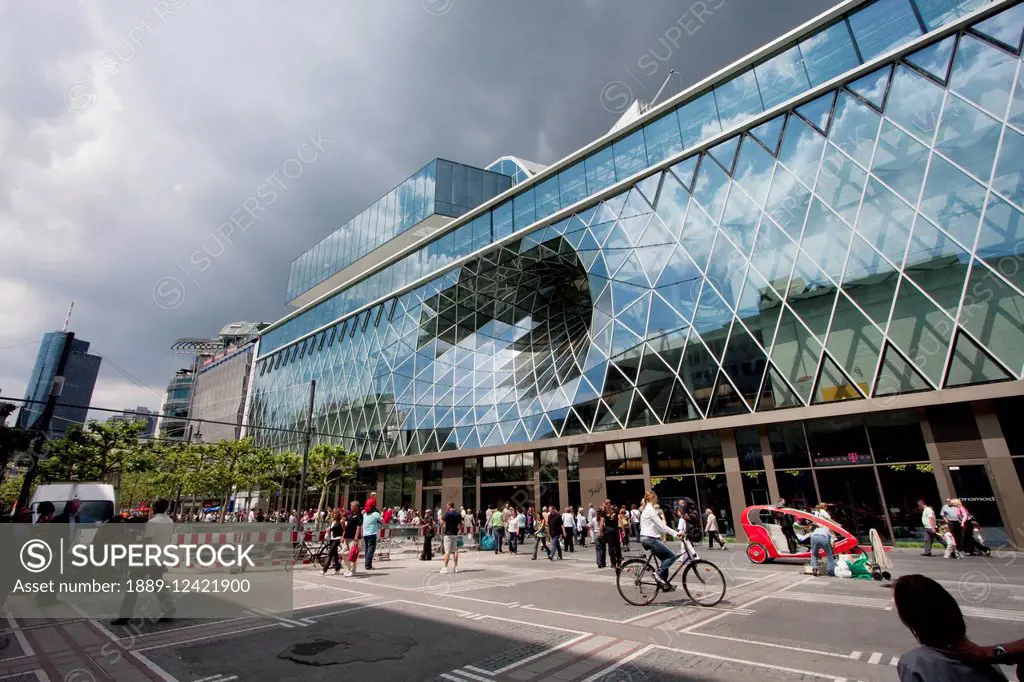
41 675
855 655
618 664
647 615
478 670
769 666
452 678
875 658
542 654
22 642
894 661
219 634
463 673
774 645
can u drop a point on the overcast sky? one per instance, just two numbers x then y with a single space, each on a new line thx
129 132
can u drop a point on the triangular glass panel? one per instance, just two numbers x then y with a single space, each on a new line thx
657 395
653 368
872 87
641 414
920 330
656 234
680 405
606 416
698 372
653 259
898 376
994 313
759 308
623 339
615 204
796 353
1004 28
672 202
684 170
632 270
712 313
1002 233
636 205
818 111
833 385
769 133
776 393
649 187
664 318
870 280
698 237
744 363
971 365
635 316
711 188
682 295
934 59
936 264
725 152
625 294
741 218
573 426
726 401
854 342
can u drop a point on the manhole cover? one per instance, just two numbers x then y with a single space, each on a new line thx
369 648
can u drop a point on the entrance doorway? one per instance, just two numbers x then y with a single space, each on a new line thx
973 487
431 500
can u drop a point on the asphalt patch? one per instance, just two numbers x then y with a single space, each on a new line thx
368 648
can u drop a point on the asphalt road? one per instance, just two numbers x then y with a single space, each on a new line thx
506 617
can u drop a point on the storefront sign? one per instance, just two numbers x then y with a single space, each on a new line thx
842 460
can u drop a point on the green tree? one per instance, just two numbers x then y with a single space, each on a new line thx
329 463
98 452
287 465
258 471
226 470
12 439
11 487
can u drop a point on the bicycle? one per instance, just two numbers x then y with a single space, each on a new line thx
638 582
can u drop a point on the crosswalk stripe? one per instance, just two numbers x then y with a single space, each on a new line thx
471 676
452 677
894 661
855 655
477 670
875 658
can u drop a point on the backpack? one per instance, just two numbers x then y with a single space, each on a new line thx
694 525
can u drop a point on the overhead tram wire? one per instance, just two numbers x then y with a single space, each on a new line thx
277 429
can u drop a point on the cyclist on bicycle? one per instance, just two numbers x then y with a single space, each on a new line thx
651 529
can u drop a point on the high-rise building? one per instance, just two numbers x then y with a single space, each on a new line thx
79 381
173 421
219 380
798 279
139 414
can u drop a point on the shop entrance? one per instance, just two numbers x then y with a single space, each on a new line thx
973 486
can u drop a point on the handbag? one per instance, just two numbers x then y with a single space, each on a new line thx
487 543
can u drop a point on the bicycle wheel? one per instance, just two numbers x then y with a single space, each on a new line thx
704 583
637 583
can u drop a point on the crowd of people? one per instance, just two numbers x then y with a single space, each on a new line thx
954 528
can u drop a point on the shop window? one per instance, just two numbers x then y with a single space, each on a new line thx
748 445
572 464
469 468
788 446
669 456
837 442
707 453
433 473
549 466
521 495
628 492
896 437
796 488
623 459
755 488
851 495
902 486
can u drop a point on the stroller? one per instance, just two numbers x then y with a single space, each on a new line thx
881 563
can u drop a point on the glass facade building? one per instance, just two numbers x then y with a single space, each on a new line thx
441 187
218 394
79 381
748 293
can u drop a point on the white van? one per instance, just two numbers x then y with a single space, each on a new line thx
97 501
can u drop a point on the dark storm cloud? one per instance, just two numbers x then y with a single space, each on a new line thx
187 108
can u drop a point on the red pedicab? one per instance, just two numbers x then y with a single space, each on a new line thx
767 542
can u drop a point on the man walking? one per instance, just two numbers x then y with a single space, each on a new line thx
452 520
372 522
951 514
555 530
498 528
634 521
581 527
711 528
930 525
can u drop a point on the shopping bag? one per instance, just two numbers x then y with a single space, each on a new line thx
487 543
353 552
860 567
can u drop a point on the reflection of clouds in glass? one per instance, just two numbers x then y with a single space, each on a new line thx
983 74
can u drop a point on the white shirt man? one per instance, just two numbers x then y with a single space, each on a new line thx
403 515
252 516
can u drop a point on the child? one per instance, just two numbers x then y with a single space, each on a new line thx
951 549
